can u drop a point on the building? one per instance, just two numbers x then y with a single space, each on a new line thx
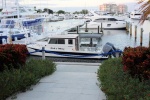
122 8
113 8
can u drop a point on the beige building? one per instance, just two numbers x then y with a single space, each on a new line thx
113 8
122 8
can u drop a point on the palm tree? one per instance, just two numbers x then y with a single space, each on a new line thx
145 9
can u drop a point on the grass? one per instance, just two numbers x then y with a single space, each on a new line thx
118 85
15 80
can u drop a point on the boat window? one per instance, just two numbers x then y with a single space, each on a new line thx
108 25
137 14
53 41
61 41
70 41
17 32
112 19
11 32
100 20
1 31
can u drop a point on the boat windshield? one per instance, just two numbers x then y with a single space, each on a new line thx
105 19
100 20
112 19
44 39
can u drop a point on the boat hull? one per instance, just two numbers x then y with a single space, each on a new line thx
65 54
118 25
18 37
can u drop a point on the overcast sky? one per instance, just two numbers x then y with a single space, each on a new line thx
65 3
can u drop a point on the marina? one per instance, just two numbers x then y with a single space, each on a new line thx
120 38
49 54
98 34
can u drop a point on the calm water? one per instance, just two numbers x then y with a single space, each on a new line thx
120 38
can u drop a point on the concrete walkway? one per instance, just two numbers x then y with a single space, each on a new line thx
71 81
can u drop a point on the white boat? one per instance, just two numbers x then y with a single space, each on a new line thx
135 15
107 22
66 46
14 34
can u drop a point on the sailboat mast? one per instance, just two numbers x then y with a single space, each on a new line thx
2 4
17 3
5 3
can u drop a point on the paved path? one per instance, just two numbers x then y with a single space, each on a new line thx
71 81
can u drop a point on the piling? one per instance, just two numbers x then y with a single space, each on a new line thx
98 29
43 53
135 32
9 37
91 42
149 39
130 29
127 26
77 29
86 30
101 27
141 37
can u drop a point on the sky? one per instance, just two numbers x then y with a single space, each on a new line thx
66 4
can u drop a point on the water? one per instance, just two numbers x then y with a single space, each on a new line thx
120 38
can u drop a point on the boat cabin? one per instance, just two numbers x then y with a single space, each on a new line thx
65 42
104 19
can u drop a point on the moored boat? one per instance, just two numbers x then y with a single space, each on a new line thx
66 46
105 22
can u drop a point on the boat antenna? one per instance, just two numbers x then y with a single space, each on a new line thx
5 3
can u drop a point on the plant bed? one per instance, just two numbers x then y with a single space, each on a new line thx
120 85
15 80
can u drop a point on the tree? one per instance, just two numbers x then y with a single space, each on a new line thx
39 11
61 12
145 9
84 11
1 10
35 8
76 12
50 11
45 9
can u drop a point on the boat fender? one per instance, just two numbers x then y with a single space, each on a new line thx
3 41
16 38
29 35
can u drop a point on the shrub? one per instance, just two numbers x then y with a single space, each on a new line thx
15 80
12 55
137 62
119 85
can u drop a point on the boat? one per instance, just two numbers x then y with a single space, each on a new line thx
106 22
66 46
135 15
13 34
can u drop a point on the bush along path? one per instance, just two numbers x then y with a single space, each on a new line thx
15 80
120 84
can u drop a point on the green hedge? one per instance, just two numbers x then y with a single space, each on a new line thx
15 80
119 85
